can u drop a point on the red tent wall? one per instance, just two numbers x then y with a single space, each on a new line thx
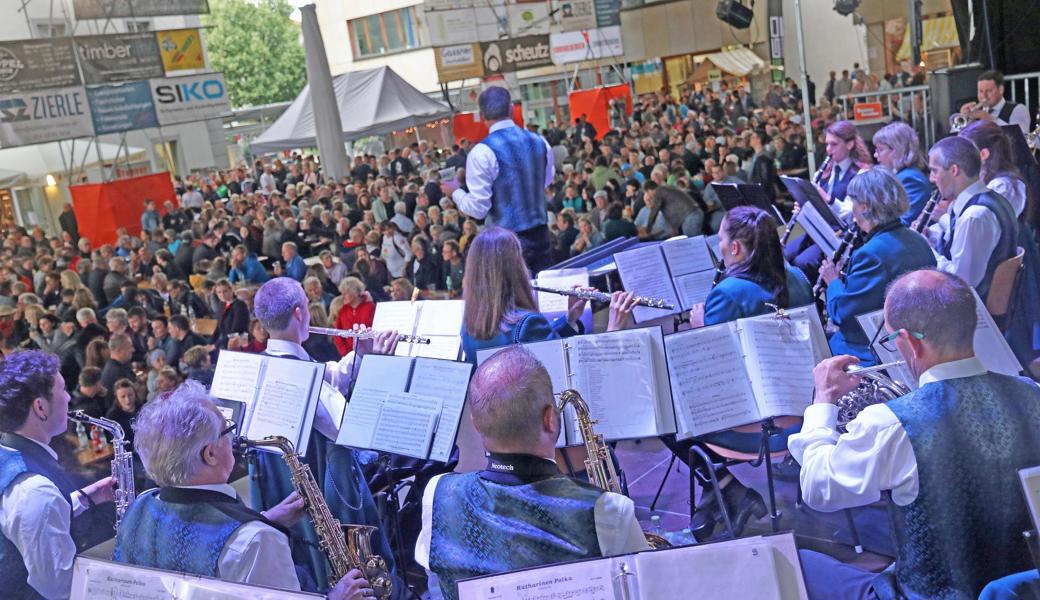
101 208
596 103
468 124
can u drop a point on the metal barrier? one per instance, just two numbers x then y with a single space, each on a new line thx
1023 88
909 104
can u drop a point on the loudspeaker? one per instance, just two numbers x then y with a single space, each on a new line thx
950 89
734 13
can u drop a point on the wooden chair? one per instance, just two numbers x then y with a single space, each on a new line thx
1000 299
205 327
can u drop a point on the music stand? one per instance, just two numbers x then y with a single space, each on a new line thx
819 221
732 195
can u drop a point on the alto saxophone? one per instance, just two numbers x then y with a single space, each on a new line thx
122 460
598 465
347 547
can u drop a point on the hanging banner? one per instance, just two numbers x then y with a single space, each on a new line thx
37 64
121 107
591 44
44 116
118 9
576 15
459 62
181 49
608 13
528 19
515 54
191 98
119 57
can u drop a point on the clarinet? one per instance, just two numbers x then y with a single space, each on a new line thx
816 181
840 257
925 218
122 460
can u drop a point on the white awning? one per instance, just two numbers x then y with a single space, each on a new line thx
739 61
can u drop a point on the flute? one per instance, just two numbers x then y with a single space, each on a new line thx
858 370
816 181
603 296
366 334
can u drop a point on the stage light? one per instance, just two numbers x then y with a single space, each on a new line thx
51 181
845 7
734 13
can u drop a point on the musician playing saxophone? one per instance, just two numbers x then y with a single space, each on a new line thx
195 522
519 511
41 511
890 249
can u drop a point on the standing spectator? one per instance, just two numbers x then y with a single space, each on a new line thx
68 222
424 269
452 267
118 366
191 199
395 250
357 309
150 219
114 280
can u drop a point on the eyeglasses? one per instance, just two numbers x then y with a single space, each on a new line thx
229 427
888 342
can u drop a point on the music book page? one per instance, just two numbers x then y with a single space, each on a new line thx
385 373
400 316
786 561
871 323
1030 478
583 580
440 346
990 345
644 271
818 229
558 278
446 381
693 288
286 402
686 255
440 317
736 571
710 387
779 359
361 416
406 425
236 376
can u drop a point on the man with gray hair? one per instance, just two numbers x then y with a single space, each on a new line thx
889 249
520 511
194 521
947 454
980 230
506 175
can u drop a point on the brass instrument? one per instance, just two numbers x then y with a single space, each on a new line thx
1033 137
603 296
122 460
817 177
366 334
598 465
960 120
347 547
875 388
925 218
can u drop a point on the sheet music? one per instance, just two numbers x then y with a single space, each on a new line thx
786 561
710 387
871 323
613 375
558 278
643 271
1030 478
286 402
236 376
687 255
818 229
361 416
406 425
737 571
385 373
400 316
448 382
693 288
990 345
440 346
333 402
584 580
780 363
440 317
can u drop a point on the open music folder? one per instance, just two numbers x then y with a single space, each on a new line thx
744 371
679 270
268 395
439 320
990 346
814 215
407 406
732 195
763 568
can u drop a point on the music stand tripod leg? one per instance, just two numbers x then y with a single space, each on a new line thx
664 480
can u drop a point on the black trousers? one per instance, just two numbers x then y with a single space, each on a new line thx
536 244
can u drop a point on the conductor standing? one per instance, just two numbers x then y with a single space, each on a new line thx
506 175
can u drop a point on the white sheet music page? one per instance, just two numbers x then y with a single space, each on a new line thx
710 384
286 402
440 317
990 345
818 229
614 375
779 358
400 316
584 580
406 425
361 416
737 571
446 381
558 278
441 346
236 376
687 255
871 323
693 288
644 271
386 373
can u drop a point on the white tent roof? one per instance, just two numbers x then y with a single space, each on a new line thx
29 163
371 102
738 61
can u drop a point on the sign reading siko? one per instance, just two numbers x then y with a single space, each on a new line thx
192 98
44 116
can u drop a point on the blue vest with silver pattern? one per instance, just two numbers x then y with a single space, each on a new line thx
518 193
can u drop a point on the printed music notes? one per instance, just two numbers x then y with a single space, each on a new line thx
679 270
439 320
236 376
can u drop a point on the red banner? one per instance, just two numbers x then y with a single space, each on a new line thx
595 103
102 208
468 125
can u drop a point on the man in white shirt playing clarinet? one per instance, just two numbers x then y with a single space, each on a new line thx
946 454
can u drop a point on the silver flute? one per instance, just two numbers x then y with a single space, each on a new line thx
603 296
122 460
367 334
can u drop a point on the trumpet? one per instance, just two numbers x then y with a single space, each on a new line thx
960 120
816 181
366 334
603 296
925 218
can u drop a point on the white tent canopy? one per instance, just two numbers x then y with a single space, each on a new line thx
28 164
738 61
371 102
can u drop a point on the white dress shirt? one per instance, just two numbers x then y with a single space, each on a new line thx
36 518
256 553
481 171
852 469
1019 116
842 208
976 234
1012 189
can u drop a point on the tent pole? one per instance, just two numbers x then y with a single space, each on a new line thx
810 141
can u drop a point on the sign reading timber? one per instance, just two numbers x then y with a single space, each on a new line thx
192 98
515 54
121 57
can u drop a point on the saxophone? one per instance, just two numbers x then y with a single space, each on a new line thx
347 547
875 388
122 460
598 465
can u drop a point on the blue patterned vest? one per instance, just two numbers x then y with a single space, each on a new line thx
518 193
181 529
1006 246
970 436
482 527
27 457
